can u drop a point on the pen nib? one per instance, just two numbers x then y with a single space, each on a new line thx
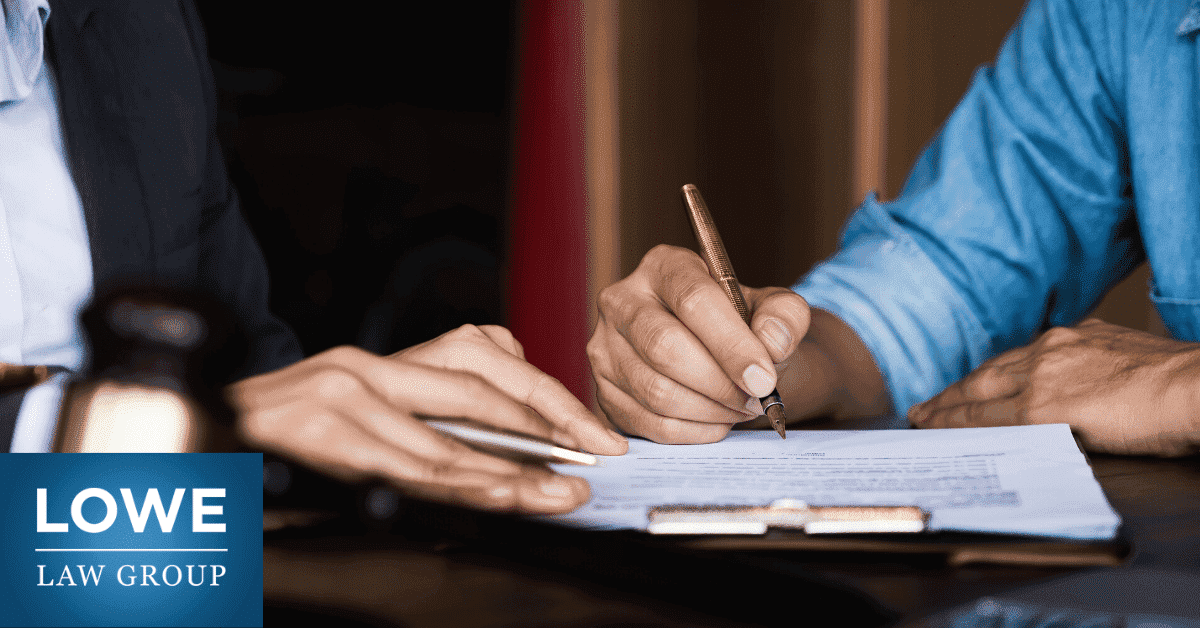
775 414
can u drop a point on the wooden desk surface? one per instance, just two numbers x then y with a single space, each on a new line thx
449 567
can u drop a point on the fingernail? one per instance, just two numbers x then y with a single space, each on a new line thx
501 492
754 407
758 382
555 488
776 335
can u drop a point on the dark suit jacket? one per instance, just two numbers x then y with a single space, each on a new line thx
138 109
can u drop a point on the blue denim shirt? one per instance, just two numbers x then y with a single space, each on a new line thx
1069 162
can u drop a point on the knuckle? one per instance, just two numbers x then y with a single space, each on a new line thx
594 349
598 357
660 393
662 253
662 340
343 353
977 385
609 298
1046 366
1059 335
466 332
336 383
693 296
665 258
615 301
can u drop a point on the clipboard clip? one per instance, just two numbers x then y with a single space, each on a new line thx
785 513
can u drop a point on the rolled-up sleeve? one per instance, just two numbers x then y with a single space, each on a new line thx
1017 217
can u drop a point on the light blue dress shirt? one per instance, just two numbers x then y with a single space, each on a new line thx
1068 163
45 259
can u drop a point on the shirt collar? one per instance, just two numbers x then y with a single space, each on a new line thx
1191 20
23 25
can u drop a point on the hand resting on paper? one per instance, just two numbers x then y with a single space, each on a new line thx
354 415
1122 391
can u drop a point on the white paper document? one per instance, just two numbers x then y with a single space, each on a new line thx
1013 480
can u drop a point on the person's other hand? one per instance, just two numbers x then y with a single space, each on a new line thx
1123 391
673 360
354 415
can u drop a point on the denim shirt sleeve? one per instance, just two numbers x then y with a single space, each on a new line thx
1017 217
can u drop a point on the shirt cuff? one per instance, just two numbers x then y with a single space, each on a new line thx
919 329
38 416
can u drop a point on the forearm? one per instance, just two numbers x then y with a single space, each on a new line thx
832 373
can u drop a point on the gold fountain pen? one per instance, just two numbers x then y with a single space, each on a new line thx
721 270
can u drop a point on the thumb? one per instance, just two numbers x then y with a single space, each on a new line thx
779 318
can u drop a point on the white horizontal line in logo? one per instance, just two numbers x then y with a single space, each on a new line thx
129 549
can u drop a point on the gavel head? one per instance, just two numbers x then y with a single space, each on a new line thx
145 392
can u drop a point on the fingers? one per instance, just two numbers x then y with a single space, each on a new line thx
631 416
536 491
996 380
481 381
369 438
1007 411
428 391
781 319
525 383
635 330
359 438
552 400
621 366
679 278
673 345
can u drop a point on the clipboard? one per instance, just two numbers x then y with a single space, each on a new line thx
792 525
790 514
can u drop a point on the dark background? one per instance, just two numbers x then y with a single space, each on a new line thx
369 145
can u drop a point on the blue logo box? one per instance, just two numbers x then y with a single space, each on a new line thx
131 540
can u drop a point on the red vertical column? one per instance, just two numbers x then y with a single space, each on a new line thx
547 291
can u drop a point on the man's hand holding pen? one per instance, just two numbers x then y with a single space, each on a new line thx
682 351
674 361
